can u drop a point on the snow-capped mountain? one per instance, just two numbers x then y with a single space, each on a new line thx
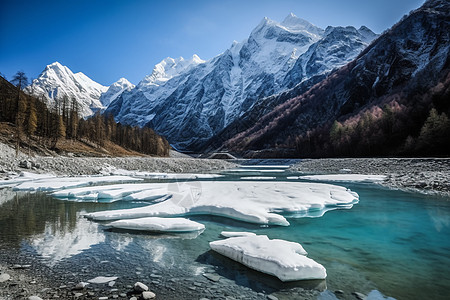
115 90
189 101
58 81
383 98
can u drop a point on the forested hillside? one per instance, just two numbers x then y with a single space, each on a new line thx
26 119
394 99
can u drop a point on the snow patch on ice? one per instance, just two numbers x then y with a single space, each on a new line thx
57 183
159 224
157 175
250 201
346 177
236 234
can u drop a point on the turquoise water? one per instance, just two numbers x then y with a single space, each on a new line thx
393 241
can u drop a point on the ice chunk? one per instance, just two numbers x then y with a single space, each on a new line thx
251 201
57 183
283 259
258 178
236 234
345 177
159 224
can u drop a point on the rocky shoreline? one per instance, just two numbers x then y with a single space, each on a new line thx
72 166
425 175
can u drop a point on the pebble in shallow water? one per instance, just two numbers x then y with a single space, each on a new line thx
140 287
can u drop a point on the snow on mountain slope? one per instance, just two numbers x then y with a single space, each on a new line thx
115 90
189 101
58 81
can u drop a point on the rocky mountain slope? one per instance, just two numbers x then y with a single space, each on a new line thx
190 101
384 97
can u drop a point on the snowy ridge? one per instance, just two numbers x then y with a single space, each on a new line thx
190 101
58 81
115 90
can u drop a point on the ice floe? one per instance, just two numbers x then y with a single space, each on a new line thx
250 201
156 224
111 193
283 259
57 183
345 177
236 233
158 175
258 178
15 179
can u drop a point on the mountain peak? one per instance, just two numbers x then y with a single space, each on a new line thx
57 81
293 22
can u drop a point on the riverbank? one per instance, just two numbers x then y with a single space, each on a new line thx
426 175
67 165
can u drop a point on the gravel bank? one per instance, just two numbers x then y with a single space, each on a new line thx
428 175
63 165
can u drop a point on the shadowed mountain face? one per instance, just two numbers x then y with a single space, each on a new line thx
190 101
390 88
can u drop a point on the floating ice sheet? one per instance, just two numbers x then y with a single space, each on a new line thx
23 177
57 183
236 233
280 258
345 177
158 175
258 178
115 192
156 224
250 201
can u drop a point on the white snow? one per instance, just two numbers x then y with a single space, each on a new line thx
159 224
345 177
264 166
236 234
111 193
158 175
24 176
102 279
56 183
283 259
115 90
250 201
258 178
58 81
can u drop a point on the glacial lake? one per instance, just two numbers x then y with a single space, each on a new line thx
393 241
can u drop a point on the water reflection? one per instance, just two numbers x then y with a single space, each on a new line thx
6 195
63 241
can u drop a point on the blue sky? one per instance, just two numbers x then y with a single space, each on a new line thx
109 39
